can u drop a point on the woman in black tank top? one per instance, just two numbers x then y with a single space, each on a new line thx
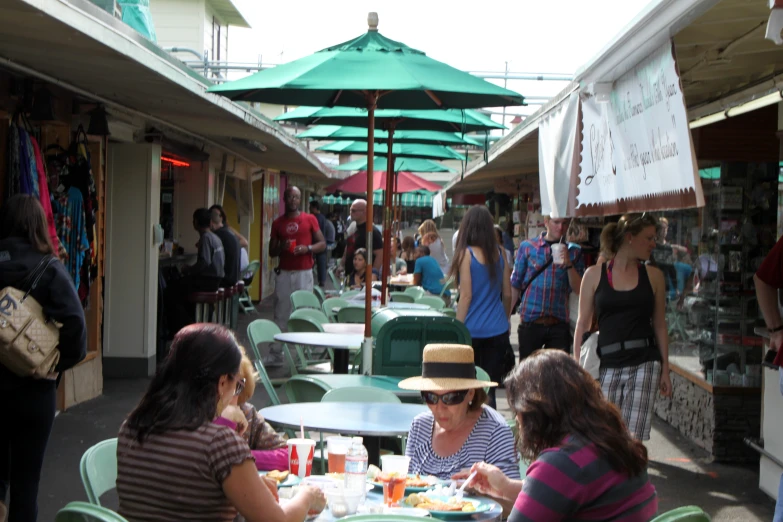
628 299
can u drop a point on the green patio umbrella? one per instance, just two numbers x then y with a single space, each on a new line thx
453 120
337 132
400 165
372 72
406 150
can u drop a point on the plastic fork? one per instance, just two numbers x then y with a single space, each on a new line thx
461 489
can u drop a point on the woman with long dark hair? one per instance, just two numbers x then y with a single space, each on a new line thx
27 402
628 299
175 462
585 465
356 279
484 280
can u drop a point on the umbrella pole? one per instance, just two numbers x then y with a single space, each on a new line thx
398 204
372 101
387 222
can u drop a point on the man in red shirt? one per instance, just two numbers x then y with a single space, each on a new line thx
294 239
768 280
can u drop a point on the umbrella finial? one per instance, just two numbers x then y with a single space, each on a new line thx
372 21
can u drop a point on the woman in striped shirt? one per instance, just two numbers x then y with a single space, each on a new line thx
174 462
459 430
585 466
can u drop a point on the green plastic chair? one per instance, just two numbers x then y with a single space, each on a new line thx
263 331
434 302
310 360
86 512
302 388
482 376
360 394
334 279
304 299
447 286
98 469
245 303
450 312
316 316
415 291
401 297
319 293
333 302
349 294
351 314
683 514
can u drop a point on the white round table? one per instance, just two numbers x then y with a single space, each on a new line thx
337 341
343 328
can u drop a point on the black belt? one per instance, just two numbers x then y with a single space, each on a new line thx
627 345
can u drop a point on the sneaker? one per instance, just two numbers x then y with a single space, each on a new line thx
273 360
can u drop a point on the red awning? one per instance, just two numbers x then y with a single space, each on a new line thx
406 182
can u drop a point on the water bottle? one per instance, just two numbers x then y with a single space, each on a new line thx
356 467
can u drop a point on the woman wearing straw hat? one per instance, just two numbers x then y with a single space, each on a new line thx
459 430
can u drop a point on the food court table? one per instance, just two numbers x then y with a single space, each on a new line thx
381 382
340 342
392 305
370 420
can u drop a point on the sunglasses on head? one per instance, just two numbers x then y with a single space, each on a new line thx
240 387
449 399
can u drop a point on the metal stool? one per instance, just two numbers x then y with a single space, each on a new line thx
205 302
239 289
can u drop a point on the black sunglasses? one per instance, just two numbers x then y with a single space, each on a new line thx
240 387
449 399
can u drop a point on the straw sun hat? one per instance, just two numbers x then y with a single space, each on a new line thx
446 367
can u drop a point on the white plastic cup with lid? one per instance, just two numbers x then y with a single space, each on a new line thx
397 464
559 253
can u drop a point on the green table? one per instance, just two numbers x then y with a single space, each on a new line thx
382 382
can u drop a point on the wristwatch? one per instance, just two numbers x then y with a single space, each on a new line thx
309 248
776 329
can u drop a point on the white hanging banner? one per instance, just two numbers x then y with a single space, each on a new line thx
558 157
637 152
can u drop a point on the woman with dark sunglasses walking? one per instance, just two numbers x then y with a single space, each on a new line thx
460 429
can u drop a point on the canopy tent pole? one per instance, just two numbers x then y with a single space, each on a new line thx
372 102
387 222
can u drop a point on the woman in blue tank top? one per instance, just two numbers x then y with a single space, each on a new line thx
484 280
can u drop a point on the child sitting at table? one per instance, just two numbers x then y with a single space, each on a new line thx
268 447
427 273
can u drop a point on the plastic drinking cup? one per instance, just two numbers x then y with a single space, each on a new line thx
397 464
300 456
291 245
337 448
558 253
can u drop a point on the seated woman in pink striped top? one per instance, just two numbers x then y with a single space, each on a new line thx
585 464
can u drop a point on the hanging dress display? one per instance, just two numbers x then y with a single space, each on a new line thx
70 222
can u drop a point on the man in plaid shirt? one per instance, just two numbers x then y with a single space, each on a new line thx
544 308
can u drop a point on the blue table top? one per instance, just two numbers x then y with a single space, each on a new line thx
371 419
382 382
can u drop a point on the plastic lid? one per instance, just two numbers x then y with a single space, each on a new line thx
358 440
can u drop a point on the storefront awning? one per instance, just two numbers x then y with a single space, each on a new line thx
82 48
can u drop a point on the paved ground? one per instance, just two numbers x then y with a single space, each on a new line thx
681 472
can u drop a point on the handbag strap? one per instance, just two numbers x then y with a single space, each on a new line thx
34 276
536 274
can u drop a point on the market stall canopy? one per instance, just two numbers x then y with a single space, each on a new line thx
418 199
453 120
337 132
400 164
342 75
403 150
406 182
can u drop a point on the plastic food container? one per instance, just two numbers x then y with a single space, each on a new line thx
342 502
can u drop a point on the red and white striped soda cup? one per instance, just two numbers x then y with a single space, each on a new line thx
300 457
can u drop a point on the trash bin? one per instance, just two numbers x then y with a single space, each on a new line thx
401 335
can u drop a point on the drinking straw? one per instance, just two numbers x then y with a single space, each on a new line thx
301 428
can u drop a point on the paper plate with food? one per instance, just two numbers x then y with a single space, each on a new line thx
442 506
284 479
414 483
